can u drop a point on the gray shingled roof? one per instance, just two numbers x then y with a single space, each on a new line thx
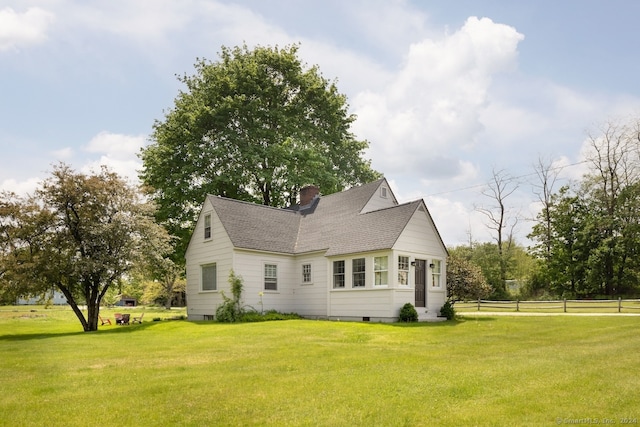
334 224
252 226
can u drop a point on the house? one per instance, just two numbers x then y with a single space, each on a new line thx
354 255
52 296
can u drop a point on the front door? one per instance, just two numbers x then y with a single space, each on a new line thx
421 281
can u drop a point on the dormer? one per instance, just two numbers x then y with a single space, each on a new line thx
382 198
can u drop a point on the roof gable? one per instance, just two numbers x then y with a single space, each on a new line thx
341 223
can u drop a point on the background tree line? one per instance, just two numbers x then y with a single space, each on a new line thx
586 235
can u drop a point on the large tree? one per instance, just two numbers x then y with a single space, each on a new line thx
257 125
78 233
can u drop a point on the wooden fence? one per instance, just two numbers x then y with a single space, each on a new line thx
558 306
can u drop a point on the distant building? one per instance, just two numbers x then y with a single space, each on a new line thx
51 297
126 301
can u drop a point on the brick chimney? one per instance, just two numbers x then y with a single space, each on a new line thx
307 194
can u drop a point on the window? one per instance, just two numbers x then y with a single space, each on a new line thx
358 273
207 226
436 273
306 273
209 277
403 270
270 277
383 192
381 270
338 274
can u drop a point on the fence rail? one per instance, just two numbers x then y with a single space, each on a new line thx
565 306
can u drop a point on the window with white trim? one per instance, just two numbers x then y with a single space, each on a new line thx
436 273
270 277
403 270
383 192
306 273
207 226
359 273
209 277
338 274
381 270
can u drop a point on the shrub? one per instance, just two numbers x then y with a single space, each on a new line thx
254 316
448 311
230 310
408 313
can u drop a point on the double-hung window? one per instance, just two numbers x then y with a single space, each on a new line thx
436 273
338 274
403 270
207 226
306 273
270 277
381 270
359 275
209 277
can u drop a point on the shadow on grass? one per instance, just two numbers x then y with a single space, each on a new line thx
124 329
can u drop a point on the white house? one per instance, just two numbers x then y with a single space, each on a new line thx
52 296
354 255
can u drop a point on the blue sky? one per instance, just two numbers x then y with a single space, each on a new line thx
445 92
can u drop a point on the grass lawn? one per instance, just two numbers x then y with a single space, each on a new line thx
484 371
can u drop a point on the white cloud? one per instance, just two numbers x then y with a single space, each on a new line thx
119 153
116 145
430 113
19 30
22 188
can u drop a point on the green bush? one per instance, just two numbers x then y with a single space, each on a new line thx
230 310
448 311
408 313
254 316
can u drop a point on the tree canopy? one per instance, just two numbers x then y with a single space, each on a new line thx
257 125
78 233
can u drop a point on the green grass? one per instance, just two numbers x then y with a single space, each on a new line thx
485 371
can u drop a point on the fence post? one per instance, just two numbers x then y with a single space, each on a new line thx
517 305
565 304
478 304
619 304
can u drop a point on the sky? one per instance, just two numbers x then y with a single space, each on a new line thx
449 94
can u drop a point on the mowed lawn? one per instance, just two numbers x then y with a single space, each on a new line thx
486 371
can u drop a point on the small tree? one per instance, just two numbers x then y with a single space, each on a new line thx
465 280
80 233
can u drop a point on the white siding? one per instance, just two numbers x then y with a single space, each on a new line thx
354 304
420 240
420 236
311 298
203 251
250 265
